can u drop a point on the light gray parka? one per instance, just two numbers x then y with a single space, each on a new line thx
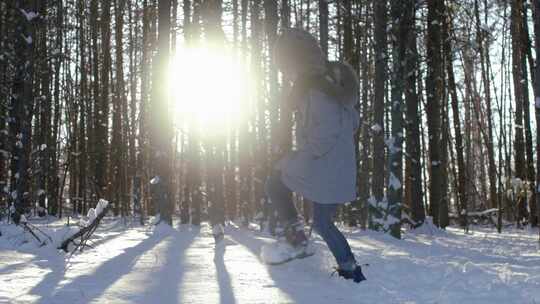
323 167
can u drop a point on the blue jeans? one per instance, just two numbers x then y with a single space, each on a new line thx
323 223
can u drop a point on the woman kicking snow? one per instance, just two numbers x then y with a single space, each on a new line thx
322 168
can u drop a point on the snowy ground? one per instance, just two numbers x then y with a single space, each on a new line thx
180 265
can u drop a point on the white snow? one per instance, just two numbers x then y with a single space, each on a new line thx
29 15
278 252
376 128
28 39
485 212
160 264
155 180
101 205
394 182
94 212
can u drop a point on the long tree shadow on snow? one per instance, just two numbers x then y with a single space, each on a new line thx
48 284
87 287
165 283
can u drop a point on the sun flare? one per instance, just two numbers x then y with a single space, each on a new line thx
209 87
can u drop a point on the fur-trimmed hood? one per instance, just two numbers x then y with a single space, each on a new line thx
339 81
345 85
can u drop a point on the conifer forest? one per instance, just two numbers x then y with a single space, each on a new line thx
134 131
96 101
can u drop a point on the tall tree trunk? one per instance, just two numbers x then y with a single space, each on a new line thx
400 35
215 38
161 133
5 12
461 172
94 104
516 25
20 107
102 108
414 176
55 208
536 18
261 150
81 149
526 45
434 89
484 57
118 151
364 170
323 26
185 206
45 106
380 49
271 26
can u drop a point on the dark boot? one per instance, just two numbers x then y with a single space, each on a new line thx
218 233
356 274
295 234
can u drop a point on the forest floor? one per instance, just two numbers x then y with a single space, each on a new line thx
160 264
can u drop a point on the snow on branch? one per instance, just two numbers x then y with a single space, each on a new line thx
29 15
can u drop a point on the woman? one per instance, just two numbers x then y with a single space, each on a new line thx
323 168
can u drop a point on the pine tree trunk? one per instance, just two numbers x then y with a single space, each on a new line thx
323 26
161 133
45 106
118 151
102 107
434 83
93 100
55 207
536 18
5 11
400 35
364 170
526 52
380 24
271 26
21 103
414 169
261 150
82 148
461 171
187 200
484 57
516 24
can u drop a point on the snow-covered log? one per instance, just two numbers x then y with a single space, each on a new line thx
95 216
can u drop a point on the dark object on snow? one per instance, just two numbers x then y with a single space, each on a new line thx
356 274
84 233
42 212
218 238
295 234
16 217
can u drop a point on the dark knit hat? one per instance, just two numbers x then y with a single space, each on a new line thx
297 49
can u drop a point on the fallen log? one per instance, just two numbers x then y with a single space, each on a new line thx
86 232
